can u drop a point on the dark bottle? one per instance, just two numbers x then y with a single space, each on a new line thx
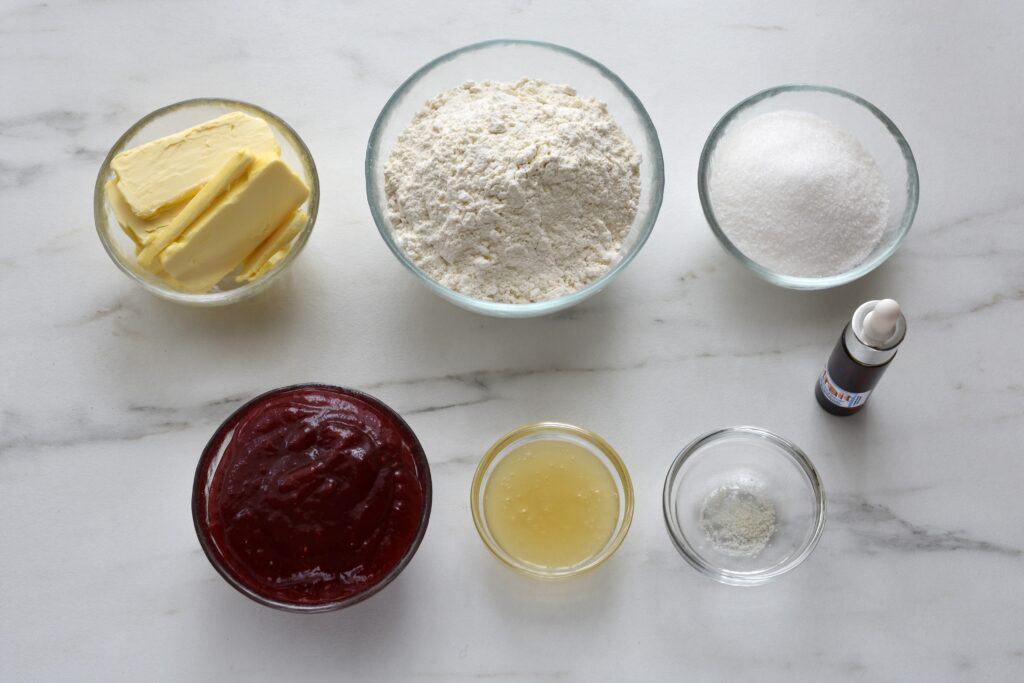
864 350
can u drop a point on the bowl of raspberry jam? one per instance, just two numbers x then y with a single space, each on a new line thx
311 498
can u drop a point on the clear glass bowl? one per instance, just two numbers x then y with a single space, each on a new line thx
509 60
876 132
207 467
547 431
171 119
754 459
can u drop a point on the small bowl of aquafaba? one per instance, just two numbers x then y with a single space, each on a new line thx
514 259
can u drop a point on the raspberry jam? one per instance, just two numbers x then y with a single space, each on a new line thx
311 497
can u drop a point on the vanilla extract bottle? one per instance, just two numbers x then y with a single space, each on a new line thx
860 357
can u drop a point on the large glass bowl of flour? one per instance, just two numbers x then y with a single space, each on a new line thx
878 136
511 60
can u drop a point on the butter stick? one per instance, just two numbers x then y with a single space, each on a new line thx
236 165
270 264
139 229
279 240
172 169
220 239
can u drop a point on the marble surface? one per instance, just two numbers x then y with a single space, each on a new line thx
109 393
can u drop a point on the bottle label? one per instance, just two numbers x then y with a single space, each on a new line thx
839 396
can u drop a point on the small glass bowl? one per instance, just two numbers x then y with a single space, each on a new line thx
876 132
754 459
510 60
207 467
174 118
553 431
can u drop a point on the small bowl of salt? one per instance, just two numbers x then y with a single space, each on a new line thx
743 505
809 186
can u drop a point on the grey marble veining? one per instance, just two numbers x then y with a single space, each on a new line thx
110 394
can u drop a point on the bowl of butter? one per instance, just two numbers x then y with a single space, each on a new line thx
206 201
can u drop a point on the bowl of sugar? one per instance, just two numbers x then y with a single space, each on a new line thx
809 186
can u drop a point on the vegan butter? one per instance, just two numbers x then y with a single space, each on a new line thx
231 229
207 201
135 227
170 170
273 249
236 165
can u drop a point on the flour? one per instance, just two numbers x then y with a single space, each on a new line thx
737 521
512 192
798 194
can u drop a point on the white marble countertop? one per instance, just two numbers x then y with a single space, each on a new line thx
110 393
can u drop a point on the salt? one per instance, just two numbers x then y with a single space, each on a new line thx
737 521
798 194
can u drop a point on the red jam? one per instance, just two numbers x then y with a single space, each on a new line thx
319 495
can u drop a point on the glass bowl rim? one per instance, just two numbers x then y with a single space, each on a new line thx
792 281
618 469
796 456
199 498
206 298
375 196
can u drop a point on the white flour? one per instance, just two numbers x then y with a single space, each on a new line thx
512 192
737 521
798 194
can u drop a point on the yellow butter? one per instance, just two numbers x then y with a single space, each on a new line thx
171 169
237 164
220 239
269 265
139 229
279 241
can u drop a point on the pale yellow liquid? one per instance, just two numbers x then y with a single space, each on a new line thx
551 503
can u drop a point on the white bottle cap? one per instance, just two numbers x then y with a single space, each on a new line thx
880 322
877 328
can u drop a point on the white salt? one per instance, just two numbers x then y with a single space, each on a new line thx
798 194
737 521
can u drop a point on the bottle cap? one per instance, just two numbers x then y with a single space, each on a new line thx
880 323
875 331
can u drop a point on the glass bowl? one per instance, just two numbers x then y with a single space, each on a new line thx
171 119
758 461
556 431
509 60
207 467
876 132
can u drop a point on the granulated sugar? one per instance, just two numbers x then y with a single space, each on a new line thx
798 194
